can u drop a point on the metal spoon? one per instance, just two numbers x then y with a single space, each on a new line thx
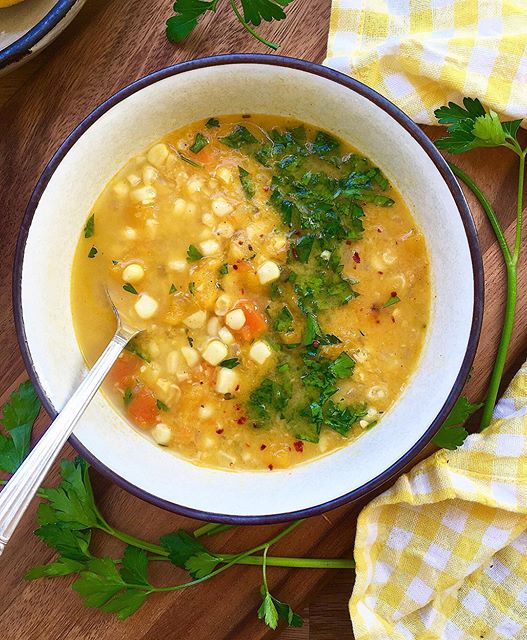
19 491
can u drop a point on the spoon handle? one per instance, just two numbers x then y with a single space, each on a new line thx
19 491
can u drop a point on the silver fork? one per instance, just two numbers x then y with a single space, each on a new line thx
19 491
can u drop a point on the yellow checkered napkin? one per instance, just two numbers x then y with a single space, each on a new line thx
443 553
422 53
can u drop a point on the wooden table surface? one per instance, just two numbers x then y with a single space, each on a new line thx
111 43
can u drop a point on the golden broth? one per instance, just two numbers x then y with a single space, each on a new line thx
278 329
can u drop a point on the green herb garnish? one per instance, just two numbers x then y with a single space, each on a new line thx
187 13
246 182
393 299
173 289
92 252
283 322
193 254
191 287
193 163
89 227
18 415
127 396
161 405
199 143
130 288
230 363
224 269
134 348
212 123
239 137
452 433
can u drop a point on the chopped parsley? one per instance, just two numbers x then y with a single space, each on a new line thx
193 163
127 396
89 227
212 123
199 143
246 181
224 269
193 254
173 289
238 138
130 288
161 405
134 348
230 363
283 322
191 287
92 252
393 299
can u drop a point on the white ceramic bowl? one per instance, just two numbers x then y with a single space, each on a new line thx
140 114
27 28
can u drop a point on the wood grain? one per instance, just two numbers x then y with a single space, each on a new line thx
111 43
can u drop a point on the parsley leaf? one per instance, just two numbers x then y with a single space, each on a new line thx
127 396
186 552
173 289
283 322
230 363
254 11
471 127
452 433
342 366
224 269
130 288
161 405
200 142
89 227
19 414
246 181
193 254
134 348
192 163
92 252
393 299
267 399
212 123
102 585
272 609
187 12
239 137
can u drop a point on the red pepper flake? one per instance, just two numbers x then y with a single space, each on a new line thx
394 294
270 467
393 319
242 420
356 257
237 387
266 188
219 431
316 343
299 446
381 273
263 446
349 243
295 253
235 267
379 230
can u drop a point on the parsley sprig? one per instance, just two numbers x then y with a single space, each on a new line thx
188 12
470 127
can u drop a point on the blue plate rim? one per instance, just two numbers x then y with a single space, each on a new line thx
20 48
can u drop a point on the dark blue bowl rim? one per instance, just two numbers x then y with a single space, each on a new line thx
413 130
22 47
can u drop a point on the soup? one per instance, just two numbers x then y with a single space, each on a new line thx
283 282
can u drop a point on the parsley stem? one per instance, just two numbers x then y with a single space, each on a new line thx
298 563
511 261
134 542
235 559
246 26
519 208
211 529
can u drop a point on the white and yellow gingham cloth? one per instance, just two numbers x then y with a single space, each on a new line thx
443 553
422 53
